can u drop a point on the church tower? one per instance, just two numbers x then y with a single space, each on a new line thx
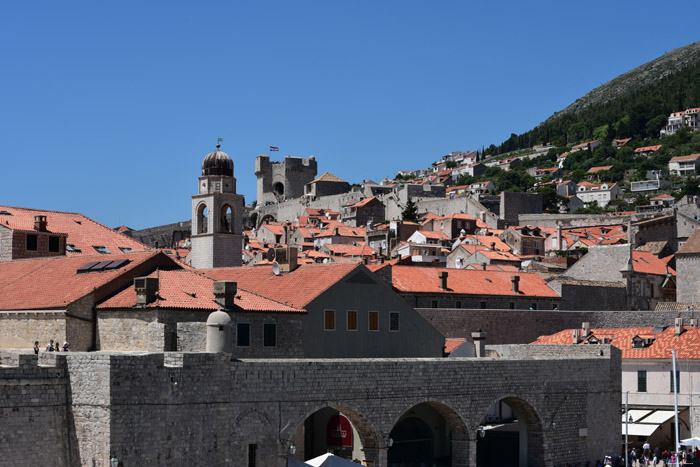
217 213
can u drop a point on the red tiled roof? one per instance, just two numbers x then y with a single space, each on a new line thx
274 228
350 250
295 289
486 240
191 290
343 231
466 281
664 196
602 168
648 148
689 158
499 255
494 267
435 235
364 202
687 345
646 262
54 283
453 343
82 231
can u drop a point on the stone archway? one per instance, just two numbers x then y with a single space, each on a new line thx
266 219
510 434
428 433
310 437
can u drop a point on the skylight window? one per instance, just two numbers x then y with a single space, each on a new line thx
72 248
125 249
5 213
101 249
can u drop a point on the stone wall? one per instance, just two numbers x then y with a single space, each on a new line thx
453 300
163 236
688 278
514 204
204 409
20 329
33 413
524 326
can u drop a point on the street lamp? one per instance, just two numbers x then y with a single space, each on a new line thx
292 449
114 462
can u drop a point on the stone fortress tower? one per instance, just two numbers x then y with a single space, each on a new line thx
283 180
217 213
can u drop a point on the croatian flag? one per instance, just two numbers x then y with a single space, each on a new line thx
274 148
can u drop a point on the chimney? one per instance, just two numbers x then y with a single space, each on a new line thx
479 338
493 245
693 322
286 258
679 326
559 247
483 266
515 280
442 275
40 223
585 329
146 290
576 336
225 293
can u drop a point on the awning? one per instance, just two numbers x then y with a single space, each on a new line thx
645 422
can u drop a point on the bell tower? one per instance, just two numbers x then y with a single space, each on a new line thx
217 213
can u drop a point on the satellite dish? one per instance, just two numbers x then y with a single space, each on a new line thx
270 254
325 260
276 268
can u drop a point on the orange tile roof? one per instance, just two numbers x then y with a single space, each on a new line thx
54 283
453 343
343 231
181 289
364 202
295 289
602 168
435 235
499 255
82 231
469 282
648 148
646 262
689 158
274 228
687 345
486 240
350 250
494 267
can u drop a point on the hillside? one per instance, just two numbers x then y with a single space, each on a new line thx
634 104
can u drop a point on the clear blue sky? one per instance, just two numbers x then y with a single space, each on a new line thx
107 108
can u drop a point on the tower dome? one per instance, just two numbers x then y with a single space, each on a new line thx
217 163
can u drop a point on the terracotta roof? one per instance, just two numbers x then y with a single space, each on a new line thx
603 168
54 283
469 282
274 228
692 245
295 289
436 235
499 255
648 148
486 240
364 202
82 231
689 158
494 267
350 250
327 177
191 290
452 343
663 196
343 231
687 345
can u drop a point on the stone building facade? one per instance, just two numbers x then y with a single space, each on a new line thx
278 181
205 409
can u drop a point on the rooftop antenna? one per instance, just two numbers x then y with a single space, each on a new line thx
218 142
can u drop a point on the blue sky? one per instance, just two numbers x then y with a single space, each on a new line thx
107 108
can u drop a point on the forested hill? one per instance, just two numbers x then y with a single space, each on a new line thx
634 104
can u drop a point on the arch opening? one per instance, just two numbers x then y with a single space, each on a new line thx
428 433
266 219
338 430
510 435
226 221
202 219
278 189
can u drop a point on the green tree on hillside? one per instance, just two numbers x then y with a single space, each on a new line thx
410 212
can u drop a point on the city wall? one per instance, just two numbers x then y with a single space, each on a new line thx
204 409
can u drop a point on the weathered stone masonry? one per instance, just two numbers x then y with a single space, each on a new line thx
203 409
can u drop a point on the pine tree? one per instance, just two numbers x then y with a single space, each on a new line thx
410 212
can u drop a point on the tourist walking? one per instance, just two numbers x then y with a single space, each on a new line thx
36 347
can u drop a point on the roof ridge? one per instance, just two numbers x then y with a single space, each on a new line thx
41 210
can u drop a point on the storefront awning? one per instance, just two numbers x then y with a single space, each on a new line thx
645 422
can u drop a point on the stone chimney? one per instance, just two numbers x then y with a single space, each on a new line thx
442 275
576 336
585 329
483 266
40 223
559 247
679 326
479 338
693 322
515 281
493 245
146 290
225 293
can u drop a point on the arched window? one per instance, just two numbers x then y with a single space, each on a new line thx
226 221
202 218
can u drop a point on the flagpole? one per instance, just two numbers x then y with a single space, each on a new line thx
675 406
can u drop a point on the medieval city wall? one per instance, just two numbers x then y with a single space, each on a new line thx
204 409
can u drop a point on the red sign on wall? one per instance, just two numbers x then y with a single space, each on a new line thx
338 431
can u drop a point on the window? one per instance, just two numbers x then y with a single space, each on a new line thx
330 320
678 379
243 334
434 303
31 242
512 305
458 304
394 321
533 306
72 248
482 305
352 320
126 249
101 249
269 335
374 321
642 381
54 244
252 454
